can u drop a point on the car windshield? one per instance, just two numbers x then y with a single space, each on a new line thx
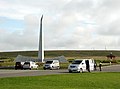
49 62
26 63
77 62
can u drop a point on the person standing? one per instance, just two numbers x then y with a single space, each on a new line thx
95 65
100 65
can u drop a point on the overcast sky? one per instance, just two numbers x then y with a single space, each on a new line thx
67 24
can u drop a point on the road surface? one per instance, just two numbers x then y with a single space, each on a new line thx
18 73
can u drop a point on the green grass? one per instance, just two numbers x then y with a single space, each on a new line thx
66 53
65 81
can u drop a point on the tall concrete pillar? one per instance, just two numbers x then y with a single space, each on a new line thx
41 43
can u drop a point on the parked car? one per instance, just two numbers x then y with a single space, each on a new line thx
19 65
81 65
30 65
51 64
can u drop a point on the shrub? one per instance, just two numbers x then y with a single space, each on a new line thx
70 60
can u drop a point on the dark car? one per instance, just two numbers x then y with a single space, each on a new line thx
19 65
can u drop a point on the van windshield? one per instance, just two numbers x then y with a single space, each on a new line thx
77 62
49 62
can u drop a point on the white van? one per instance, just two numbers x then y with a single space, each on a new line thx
51 64
30 65
81 65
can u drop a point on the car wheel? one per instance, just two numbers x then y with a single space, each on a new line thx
81 70
58 67
70 71
44 68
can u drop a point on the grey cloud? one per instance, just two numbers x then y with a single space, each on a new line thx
73 24
21 39
79 6
111 4
112 29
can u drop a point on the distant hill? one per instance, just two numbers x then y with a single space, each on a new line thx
66 53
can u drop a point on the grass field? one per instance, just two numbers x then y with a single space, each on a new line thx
65 81
66 53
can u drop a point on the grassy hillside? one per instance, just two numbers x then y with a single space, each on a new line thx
66 53
80 53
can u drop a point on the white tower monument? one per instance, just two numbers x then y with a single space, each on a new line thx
41 46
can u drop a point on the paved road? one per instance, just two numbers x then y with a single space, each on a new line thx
112 68
15 73
18 73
